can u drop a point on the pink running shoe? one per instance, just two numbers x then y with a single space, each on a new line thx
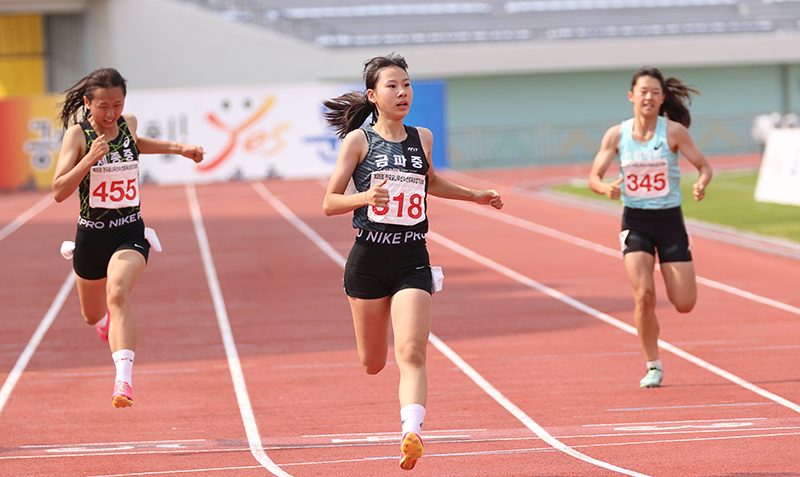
411 450
103 332
123 394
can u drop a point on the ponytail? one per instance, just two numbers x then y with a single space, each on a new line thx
349 111
677 96
72 109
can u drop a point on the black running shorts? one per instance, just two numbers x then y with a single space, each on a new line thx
651 230
376 270
94 248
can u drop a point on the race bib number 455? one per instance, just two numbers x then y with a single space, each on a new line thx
113 186
406 198
646 178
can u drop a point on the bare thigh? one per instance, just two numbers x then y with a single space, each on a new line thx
681 283
371 323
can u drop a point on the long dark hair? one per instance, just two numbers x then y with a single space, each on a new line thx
73 103
350 110
677 96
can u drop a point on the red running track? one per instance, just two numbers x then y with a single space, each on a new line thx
246 363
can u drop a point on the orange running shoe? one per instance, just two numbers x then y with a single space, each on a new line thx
411 450
123 394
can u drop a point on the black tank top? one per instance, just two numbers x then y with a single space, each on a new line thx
383 155
121 149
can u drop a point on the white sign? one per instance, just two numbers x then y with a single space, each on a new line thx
247 132
779 177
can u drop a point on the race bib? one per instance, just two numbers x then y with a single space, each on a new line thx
646 178
113 186
406 198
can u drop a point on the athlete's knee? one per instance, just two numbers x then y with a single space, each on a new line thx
684 306
411 355
645 299
91 318
373 366
117 295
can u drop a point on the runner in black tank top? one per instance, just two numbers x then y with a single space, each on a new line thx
99 157
388 166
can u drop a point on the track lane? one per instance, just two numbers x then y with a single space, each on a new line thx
185 415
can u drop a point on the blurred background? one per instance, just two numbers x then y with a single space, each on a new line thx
508 83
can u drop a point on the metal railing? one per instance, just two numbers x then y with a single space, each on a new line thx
570 142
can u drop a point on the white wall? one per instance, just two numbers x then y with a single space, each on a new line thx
166 43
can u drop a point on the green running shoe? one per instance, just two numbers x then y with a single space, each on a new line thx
652 379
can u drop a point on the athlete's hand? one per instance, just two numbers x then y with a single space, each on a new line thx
489 197
99 148
194 153
377 196
613 189
699 191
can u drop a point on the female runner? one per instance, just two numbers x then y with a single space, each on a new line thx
388 276
649 184
99 157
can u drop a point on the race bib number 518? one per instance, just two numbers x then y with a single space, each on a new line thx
113 186
406 198
646 178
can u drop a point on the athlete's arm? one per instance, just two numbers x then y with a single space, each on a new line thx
73 165
440 187
679 139
603 159
354 148
149 145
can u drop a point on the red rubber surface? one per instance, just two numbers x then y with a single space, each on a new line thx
319 414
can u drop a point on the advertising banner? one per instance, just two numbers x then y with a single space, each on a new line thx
30 140
248 132
779 176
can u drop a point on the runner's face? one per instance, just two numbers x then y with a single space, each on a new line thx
106 106
392 94
646 96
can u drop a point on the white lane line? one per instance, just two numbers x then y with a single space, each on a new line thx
25 216
111 444
503 270
549 232
444 349
235 366
455 454
612 424
27 353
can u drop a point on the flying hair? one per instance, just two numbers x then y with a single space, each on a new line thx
350 110
677 96
73 106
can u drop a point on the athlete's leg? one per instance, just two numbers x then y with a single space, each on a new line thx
411 323
681 284
640 266
371 323
92 295
124 270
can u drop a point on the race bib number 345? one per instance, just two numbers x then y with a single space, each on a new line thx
406 198
113 186
646 178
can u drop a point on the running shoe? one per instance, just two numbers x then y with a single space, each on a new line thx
103 332
123 394
652 379
411 450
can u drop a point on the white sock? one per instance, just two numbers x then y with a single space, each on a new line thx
654 364
411 417
102 323
123 360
